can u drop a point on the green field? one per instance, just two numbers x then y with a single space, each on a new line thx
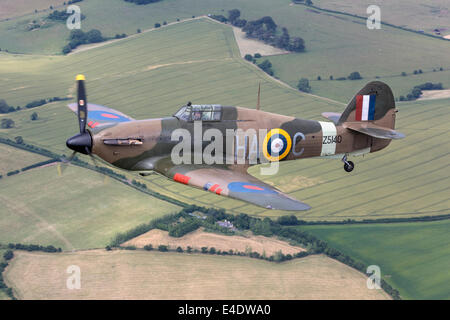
158 71
78 210
414 257
336 44
15 159
425 15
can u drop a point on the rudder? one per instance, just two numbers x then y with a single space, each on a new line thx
374 103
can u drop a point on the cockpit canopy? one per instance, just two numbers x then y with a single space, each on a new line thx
203 112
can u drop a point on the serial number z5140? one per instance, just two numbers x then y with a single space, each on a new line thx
332 139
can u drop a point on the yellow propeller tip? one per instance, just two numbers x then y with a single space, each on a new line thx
80 77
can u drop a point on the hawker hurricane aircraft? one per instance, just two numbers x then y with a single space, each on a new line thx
365 126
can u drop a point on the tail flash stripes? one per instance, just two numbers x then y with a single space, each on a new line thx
365 107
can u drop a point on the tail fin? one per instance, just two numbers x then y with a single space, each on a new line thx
374 103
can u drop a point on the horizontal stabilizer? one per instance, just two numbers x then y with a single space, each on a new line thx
373 130
333 116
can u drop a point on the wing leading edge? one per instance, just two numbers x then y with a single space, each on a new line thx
227 182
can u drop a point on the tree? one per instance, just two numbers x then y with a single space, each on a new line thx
257 55
303 85
354 76
94 36
19 139
266 65
233 15
7 123
67 49
4 107
8 255
157 25
34 116
179 249
248 57
138 30
297 44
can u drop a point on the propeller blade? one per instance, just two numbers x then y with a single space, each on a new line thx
82 103
65 162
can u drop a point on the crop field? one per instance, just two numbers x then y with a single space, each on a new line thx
161 70
154 275
17 8
199 238
413 257
77 210
336 44
424 15
15 159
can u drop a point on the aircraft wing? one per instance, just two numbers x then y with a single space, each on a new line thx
99 115
234 182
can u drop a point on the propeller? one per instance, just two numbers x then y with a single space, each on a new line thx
81 142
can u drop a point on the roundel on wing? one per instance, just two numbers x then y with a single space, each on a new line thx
277 144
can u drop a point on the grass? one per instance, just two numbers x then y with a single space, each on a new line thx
413 257
15 159
17 8
425 15
155 275
158 71
74 211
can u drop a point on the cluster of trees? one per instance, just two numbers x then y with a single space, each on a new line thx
8 255
33 247
120 36
7 123
180 229
303 85
251 58
264 29
142 1
266 66
416 92
79 37
61 16
5 108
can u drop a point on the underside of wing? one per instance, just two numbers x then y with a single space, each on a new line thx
237 184
373 130
98 116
